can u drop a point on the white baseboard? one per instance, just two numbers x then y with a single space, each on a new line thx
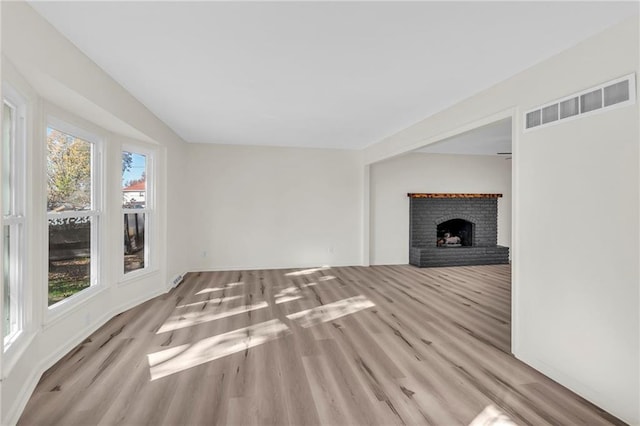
590 394
14 413
27 390
261 268
32 381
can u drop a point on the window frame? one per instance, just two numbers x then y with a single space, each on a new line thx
16 220
96 214
149 211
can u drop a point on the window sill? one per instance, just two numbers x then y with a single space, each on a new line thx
70 304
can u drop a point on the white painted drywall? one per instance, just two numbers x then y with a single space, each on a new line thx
2 247
256 207
575 242
578 300
392 179
576 304
47 69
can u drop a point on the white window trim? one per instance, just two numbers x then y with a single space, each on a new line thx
16 220
149 210
64 306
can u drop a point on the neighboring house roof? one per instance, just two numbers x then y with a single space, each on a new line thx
138 186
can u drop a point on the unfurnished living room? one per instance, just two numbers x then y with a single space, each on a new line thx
320 213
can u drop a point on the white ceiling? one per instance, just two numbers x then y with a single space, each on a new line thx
317 74
491 139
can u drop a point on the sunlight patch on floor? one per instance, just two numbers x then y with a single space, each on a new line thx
306 271
189 319
180 358
289 291
216 301
285 299
327 278
492 416
331 311
212 289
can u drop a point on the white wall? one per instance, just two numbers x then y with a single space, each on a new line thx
392 179
1 246
576 303
255 207
49 70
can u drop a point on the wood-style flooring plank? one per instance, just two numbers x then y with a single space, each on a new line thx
383 345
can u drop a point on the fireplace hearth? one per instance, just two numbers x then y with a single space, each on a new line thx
454 230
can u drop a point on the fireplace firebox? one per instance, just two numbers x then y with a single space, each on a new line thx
454 230
455 233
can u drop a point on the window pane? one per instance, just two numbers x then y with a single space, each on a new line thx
6 276
134 180
69 256
134 248
7 139
68 172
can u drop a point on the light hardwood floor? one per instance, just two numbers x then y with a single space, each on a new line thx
387 345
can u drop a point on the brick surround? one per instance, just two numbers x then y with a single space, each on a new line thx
427 211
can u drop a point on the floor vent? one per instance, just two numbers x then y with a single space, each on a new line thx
177 280
612 94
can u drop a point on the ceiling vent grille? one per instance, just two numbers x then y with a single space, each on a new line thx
612 94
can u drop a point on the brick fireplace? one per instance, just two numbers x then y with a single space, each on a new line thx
454 230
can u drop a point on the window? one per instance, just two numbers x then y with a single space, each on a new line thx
72 211
137 209
13 219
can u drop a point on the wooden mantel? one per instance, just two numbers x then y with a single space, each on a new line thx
451 195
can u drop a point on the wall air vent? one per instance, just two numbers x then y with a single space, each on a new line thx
612 94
